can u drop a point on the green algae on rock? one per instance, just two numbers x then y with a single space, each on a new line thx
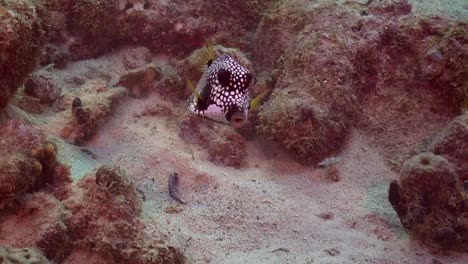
314 102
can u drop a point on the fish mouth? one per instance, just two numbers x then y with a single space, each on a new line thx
237 120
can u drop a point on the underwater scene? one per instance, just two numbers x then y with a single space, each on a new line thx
234 131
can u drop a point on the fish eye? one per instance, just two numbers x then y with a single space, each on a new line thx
224 77
248 77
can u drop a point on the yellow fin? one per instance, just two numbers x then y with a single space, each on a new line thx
192 88
204 57
255 103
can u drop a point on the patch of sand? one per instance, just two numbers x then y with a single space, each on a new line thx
271 210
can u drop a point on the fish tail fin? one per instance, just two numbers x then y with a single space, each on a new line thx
255 103
192 88
204 57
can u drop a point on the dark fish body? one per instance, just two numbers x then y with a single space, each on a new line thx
224 91
173 186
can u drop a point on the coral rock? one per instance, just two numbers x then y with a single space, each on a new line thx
95 102
37 222
431 203
137 58
161 26
115 181
452 143
224 145
41 86
104 216
20 45
28 162
138 81
29 104
313 103
390 7
228 150
17 177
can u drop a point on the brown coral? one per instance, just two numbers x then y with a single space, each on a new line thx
38 222
431 203
147 23
20 45
138 81
17 174
390 7
28 162
224 145
314 102
104 216
100 214
228 150
452 143
96 101
41 86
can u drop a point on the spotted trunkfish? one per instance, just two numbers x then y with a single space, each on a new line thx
222 94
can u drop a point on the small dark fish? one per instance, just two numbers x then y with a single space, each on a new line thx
89 152
173 186
140 191
76 103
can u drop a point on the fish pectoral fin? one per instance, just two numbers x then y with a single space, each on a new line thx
192 88
255 103
204 57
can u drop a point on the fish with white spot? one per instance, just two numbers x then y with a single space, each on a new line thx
222 94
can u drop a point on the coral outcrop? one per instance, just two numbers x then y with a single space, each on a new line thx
28 162
452 143
390 7
411 75
41 86
161 26
95 102
38 222
138 81
224 145
104 217
313 102
100 215
20 45
431 203
335 66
